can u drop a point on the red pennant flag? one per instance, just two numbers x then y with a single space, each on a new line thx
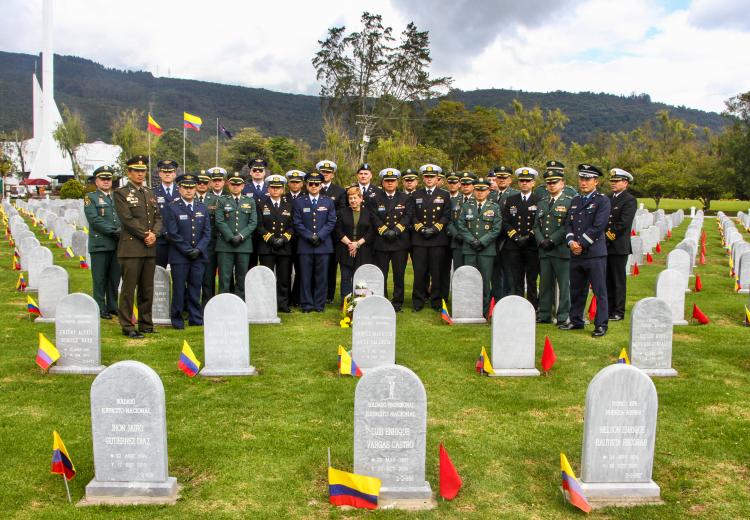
699 316
658 247
703 258
592 308
632 232
703 237
548 355
698 283
703 248
636 271
492 308
649 258
669 233
450 481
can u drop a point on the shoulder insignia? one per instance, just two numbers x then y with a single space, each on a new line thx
86 201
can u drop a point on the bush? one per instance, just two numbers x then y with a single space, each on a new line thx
72 190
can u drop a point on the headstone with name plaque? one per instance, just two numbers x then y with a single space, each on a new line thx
80 243
390 434
651 337
226 337
466 296
670 287
162 292
77 336
679 260
260 295
39 259
374 333
129 430
514 338
53 286
372 276
619 434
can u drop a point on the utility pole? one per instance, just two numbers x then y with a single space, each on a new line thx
367 122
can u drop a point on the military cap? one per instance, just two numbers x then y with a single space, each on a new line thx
187 180
555 165
616 174
276 180
552 174
409 175
481 184
203 177
137 162
216 173
295 175
389 174
454 177
430 169
468 178
526 173
441 174
502 171
166 165
257 163
326 166
313 177
364 166
588 171
104 172
236 178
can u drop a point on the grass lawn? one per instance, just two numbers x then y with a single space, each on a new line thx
255 447
730 207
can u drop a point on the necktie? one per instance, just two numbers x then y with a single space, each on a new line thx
429 193
276 205
315 203
190 208
109 198
390 197
479 208
237 201
169 193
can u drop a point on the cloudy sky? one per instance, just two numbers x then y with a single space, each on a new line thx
682 52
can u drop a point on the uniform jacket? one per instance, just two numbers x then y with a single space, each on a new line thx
587 223
485 226
211 201
233 218
345 228
500 198
430 211
250 190
138 212
187 230
337 194
452 227
391 214
103 221
162 199
620 222
321 221
369 195
275 223
518 221
551 220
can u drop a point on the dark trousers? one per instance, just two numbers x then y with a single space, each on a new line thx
232 270
313 281
294 294
585 271
105 276
458 260
555 272
484 266
429 263
396 259
282 265
523 265
347 280
186 291
162 252
501 277
137 273
616 283
209 278
331 289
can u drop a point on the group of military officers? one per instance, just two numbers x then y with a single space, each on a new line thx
211 225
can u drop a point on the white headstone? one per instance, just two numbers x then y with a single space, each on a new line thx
226 337
466 296
160 314
372 276
77 336
514 337
651 337
679 260
39 259
80 242
260 295
374 333
743 273
670 287
53 286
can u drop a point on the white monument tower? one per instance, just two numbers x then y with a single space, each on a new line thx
48 159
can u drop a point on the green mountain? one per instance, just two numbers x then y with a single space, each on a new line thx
100 93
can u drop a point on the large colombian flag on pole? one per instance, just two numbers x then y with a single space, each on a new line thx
350 489
571 487
61 463
192 122
153 126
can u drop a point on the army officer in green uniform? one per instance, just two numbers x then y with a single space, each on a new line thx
236 219
479 223
554 255
104 233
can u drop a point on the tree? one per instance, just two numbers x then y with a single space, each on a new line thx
69 134
734 144
246 145
126 133
72 189
400 153
531 137
169 146
366 76
286 153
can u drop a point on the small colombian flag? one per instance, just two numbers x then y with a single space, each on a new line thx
444 314
82 263
69 253
16 261
134 316
188 362
350 489
192 122
47 352
21 283
571 488
484 365
32 307
747 316
58 242
623 357
51 235
153 126
61 463
347 366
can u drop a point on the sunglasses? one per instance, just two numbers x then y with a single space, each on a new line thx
256 170
204 183
552 182
313 184
452 182
525 180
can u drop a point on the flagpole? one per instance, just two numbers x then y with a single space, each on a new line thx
217 141
329 456
149 155
66 487
184 131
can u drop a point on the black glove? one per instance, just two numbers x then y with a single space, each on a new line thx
546 244
459 239
522 240
476 245
277 242
315 240
236 240
193 254
428 232
115 234
390 235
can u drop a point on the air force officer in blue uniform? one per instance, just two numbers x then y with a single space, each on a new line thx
314 219
188 228
587 221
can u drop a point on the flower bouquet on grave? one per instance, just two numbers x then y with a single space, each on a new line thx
351 300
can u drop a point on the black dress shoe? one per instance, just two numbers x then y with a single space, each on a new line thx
113 313
397 308
132 334
599 332
616 317
105 316
179 326
285 311
416 309
540 320
569 326
149 331
329 300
